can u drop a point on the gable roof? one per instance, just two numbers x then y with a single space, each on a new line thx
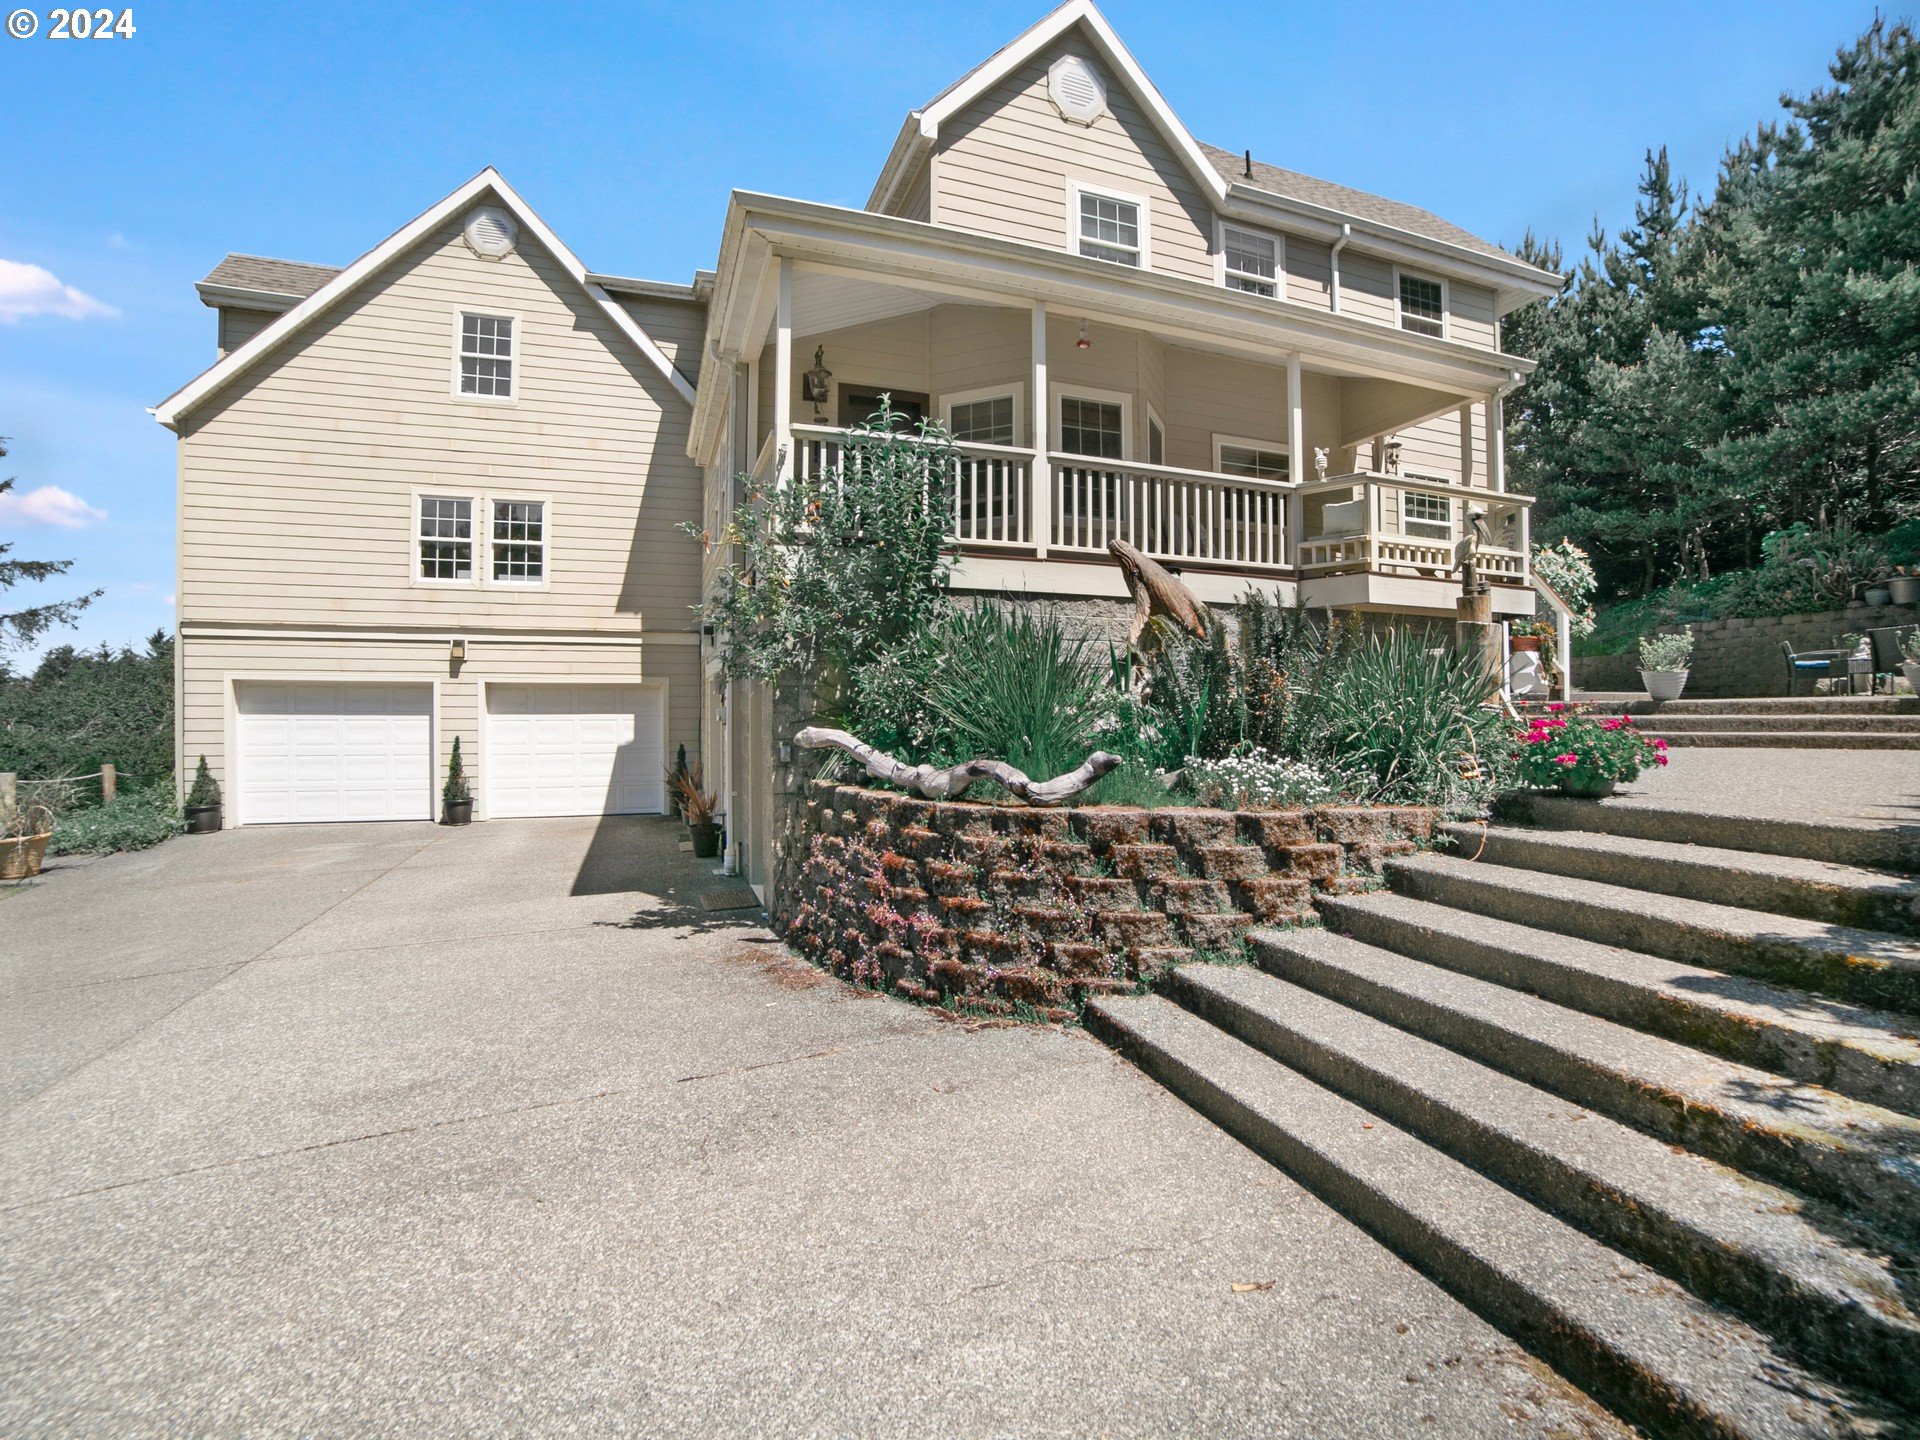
270 280
1292 185
332 291
923 125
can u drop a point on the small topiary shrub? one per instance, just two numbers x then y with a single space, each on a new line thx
456 791
205 790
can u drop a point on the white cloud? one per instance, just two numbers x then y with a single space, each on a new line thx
117 241
30 290
48 505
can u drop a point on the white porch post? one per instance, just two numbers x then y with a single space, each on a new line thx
1040 411
1466 444
1497 442
783 372
753 411
1296 459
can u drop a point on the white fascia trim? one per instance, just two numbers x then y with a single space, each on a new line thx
644 289
170 411
908 147
238 296
196 631
1085 15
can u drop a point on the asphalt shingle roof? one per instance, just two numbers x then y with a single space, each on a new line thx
275 277
1295 186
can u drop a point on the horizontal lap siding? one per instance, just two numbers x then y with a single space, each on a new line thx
209 661
1216 394
297 480
237 326
1003 165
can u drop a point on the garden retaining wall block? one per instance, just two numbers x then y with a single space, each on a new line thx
1739 657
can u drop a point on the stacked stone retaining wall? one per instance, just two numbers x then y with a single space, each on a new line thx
1742 657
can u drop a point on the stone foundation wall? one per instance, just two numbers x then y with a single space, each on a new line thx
996 907
1742 657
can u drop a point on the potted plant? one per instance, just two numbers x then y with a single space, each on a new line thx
1878 592
1905 586
1663 663
1910 666
697 807
456 797
674 772
203 801
24 832
1585 755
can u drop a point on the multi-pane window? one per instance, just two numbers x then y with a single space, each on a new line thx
486 355
1255 462
445 538
983 422
1253 261
519 541
1429 516
1422 306
1109 228
1092 427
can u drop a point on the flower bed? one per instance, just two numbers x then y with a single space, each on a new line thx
1013 911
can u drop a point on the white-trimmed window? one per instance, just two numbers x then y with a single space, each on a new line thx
1156 439
1108 226
1423 305
1428 516
486 356
1250 260
519 542
1093 427
1255 459
980 418
443 532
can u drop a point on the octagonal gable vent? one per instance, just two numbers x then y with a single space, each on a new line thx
1077 90
491 232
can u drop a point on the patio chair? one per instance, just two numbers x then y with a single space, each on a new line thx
1888 652
1815 665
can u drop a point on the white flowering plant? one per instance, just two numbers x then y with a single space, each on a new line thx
1569 570
1259 780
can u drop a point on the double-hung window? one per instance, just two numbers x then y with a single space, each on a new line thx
986 421
1110 227
1092 427
1423 305
486 356
444 534
1252 261
519 542
1428 516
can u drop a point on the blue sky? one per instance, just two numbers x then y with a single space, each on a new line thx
130 166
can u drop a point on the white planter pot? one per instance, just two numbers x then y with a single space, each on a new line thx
1912 672
1664 684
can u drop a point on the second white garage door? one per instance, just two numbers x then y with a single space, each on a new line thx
347 751
575 750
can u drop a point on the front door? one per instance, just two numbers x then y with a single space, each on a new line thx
859 403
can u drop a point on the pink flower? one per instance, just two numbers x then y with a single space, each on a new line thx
1612 724
1556 707
1660 745
1661 758
1553 724
1568 759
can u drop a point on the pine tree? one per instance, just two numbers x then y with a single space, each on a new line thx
22 627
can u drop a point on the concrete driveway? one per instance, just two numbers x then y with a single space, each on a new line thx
403 1130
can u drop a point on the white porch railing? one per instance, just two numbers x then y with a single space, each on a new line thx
1407 524
1192 517
992 485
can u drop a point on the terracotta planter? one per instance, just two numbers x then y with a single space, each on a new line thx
706 839
456 812
1664 684
1586 789
20 857
1521 644
203 819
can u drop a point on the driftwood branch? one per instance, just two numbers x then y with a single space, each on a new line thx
1156 592
950 783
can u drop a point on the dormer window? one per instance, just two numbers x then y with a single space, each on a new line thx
486 356
1250 261
1109 227
1423 305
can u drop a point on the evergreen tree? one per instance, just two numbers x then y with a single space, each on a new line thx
22 627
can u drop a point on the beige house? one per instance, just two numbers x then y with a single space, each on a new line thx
437 493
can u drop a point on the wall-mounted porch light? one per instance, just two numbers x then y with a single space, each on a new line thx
457 652
816 386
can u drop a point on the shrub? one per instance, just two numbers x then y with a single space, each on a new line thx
456 791
136 819
1564 745
1569 570
81 707
205 790
1666 652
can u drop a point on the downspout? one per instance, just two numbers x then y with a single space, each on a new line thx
1346 234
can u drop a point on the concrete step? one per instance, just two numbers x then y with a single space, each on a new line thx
1871 1055
1852 723
1863 1158
1725 1237
1780 705
1628 1335
1874 847
1865 967
1811 889
1781 739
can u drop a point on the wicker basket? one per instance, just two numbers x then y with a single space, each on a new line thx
20 856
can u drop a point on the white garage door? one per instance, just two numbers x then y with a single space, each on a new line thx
575 750
349 751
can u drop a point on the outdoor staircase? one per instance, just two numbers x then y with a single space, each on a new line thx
1840 722
1641 1088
